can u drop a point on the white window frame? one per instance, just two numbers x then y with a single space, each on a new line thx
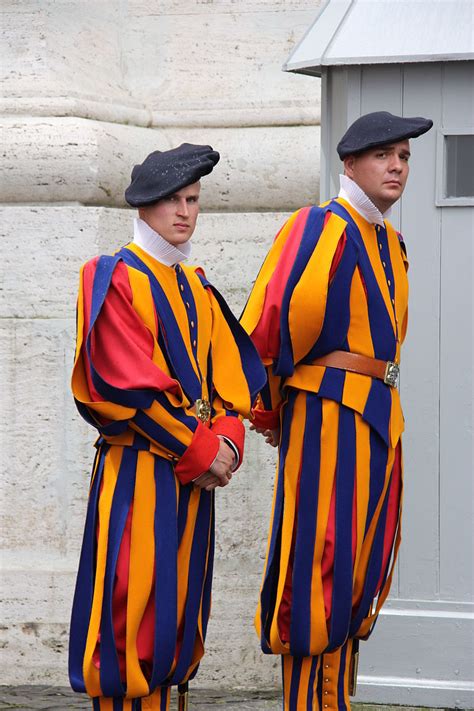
441 200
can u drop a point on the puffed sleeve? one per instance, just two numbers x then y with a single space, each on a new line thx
120 379
285 312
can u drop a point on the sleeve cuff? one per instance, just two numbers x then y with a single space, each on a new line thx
265 419
232 428
199 455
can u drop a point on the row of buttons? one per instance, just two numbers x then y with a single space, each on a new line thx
179 272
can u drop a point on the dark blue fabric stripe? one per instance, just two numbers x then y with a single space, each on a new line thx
183 505
252 367
206 596
341 704
337 314
96 703
311 234
117 704
83 595
163 698
310 704
300 641
295 683
378 466
110 681
175 346
332 384
195 586
188 298
342 573
378 408
166 572
268 593
374 570
161 435
383 336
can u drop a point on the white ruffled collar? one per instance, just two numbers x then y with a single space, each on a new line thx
156 246
355 196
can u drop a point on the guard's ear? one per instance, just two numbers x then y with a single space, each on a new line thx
349 162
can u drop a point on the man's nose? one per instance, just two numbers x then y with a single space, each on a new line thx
183 207
396 164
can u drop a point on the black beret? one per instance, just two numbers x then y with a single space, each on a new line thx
163 173
379 128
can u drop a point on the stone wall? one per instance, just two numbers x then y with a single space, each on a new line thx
89 88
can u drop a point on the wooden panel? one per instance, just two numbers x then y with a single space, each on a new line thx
456 364
420 223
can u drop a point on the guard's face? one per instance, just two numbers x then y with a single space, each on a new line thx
381 172
174 217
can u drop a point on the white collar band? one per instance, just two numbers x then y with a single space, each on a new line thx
156 246
355 196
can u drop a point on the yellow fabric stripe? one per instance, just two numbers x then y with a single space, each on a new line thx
312 288
370 239
228 380
254 308
347 673
184 555
257 619
106 704
287 671
166 419
359 336
361 571
400 284
362 433
168 282
111 469
140 579
303 685
369 621
329 438
291 473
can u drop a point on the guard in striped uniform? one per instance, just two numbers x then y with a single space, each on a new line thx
165 373
328 314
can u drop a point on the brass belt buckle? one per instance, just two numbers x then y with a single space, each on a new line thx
392 374
203 410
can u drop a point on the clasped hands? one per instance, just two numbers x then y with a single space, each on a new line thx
220 471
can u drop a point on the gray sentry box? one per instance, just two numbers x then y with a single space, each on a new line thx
415 58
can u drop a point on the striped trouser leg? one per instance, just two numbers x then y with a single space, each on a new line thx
317 683
158 701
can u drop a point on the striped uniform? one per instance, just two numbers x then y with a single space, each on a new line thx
151 341
332 281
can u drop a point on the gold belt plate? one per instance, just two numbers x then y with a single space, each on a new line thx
203 410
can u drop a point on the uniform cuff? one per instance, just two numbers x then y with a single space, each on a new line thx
265 419
199 455
233 429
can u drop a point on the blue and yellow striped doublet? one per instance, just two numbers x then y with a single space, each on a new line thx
332 281
152 343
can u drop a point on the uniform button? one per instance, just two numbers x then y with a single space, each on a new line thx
326 666
194 344
393 302
326 680
181 287
380 245
326 693
192 324
389 282
384 264
187 304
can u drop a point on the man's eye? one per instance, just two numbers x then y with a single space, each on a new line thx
381 155
192 199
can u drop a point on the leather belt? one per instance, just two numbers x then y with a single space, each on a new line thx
385 370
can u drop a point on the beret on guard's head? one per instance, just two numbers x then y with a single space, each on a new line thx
379 128
163 173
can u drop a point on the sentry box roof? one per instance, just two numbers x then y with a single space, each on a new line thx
385 31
